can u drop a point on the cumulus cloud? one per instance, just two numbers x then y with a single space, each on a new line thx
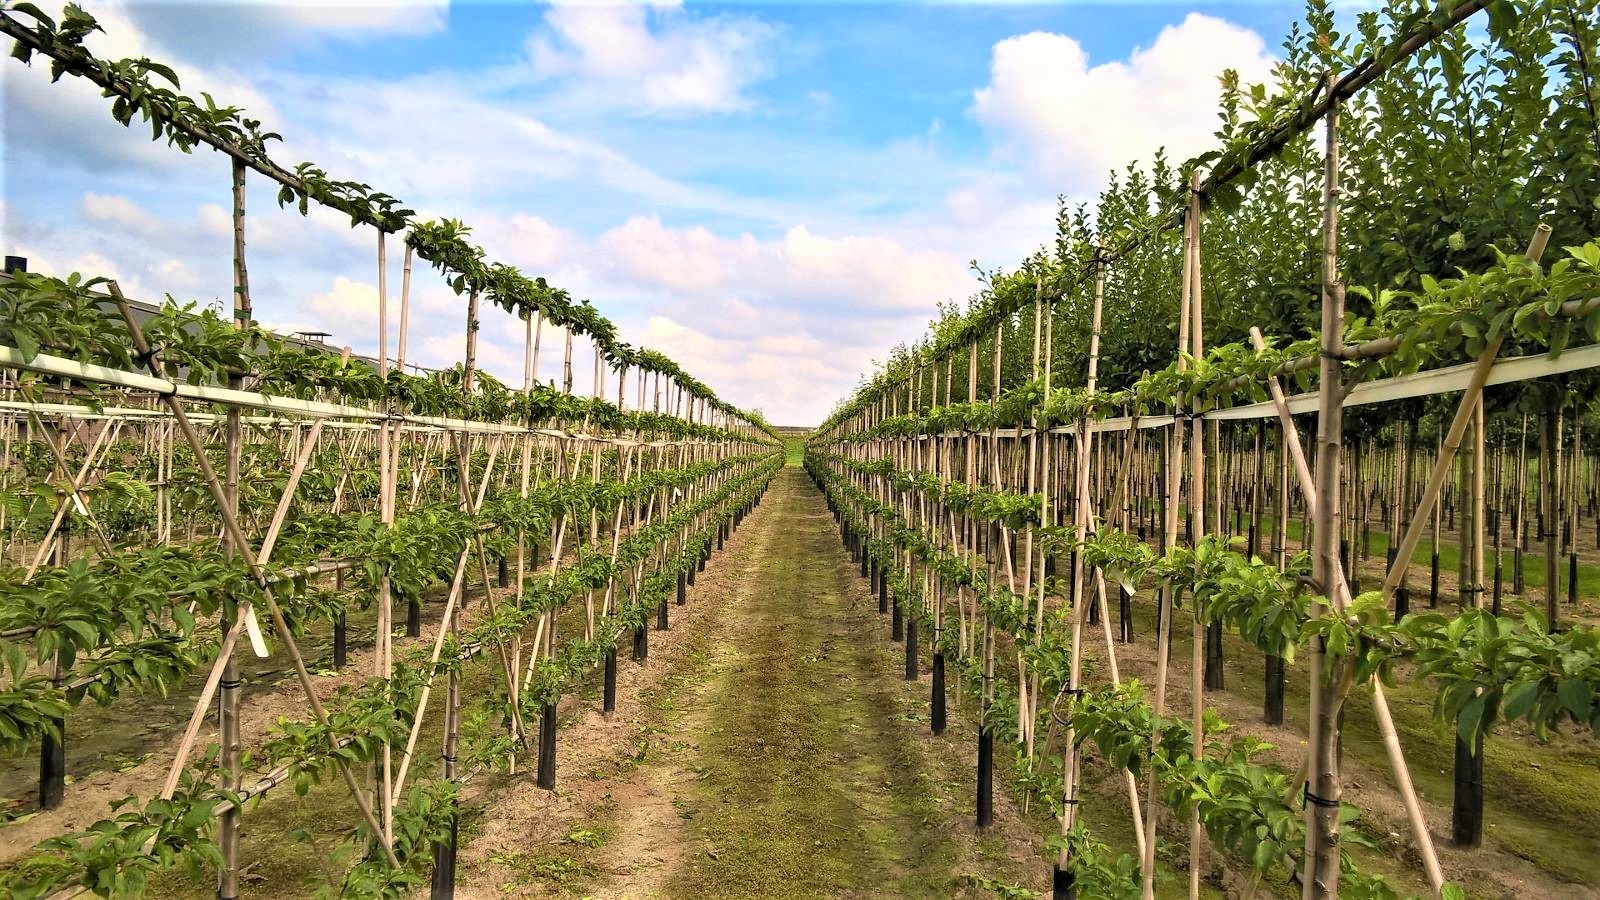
784 324
525 240
655 58
119 211
352 305
1074 120
853 273
794 379
68 122
402 17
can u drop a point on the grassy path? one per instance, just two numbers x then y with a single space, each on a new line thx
769 747
772 749
809 784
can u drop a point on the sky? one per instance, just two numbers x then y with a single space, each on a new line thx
774 195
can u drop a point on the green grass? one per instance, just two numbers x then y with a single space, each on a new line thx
1539 802
794 449
1450 562
809 785
290 844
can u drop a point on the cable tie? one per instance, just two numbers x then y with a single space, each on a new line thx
1323 802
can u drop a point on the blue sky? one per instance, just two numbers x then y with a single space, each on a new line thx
774 195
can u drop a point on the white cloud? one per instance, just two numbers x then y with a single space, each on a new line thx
795 380
862 273
1074 120
119 211
69 123
785 324
352 304
406 137
270 232
176 275
682 64
397 17
524 240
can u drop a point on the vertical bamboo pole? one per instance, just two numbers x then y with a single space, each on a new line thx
1322 794
1549 438
388 465
985 727
1164 599
1574 491
444 852
1064 875
1027 689
532 324
1197 501
1479 504
230 758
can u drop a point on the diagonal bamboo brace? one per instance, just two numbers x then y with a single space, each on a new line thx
1458 428
230 523
1341 599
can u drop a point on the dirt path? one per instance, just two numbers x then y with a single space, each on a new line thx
769 748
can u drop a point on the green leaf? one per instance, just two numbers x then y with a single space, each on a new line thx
1469 720
1520 699
27 344
1575 695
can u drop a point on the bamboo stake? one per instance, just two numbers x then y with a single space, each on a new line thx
230 760
1164 599
1065 877
231 525
1197 492
1458 426
1322 795
1380 704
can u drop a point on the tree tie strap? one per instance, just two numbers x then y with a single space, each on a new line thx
1315 800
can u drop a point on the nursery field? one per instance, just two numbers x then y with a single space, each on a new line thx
1242 542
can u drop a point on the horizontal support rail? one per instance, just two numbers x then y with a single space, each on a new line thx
45 364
